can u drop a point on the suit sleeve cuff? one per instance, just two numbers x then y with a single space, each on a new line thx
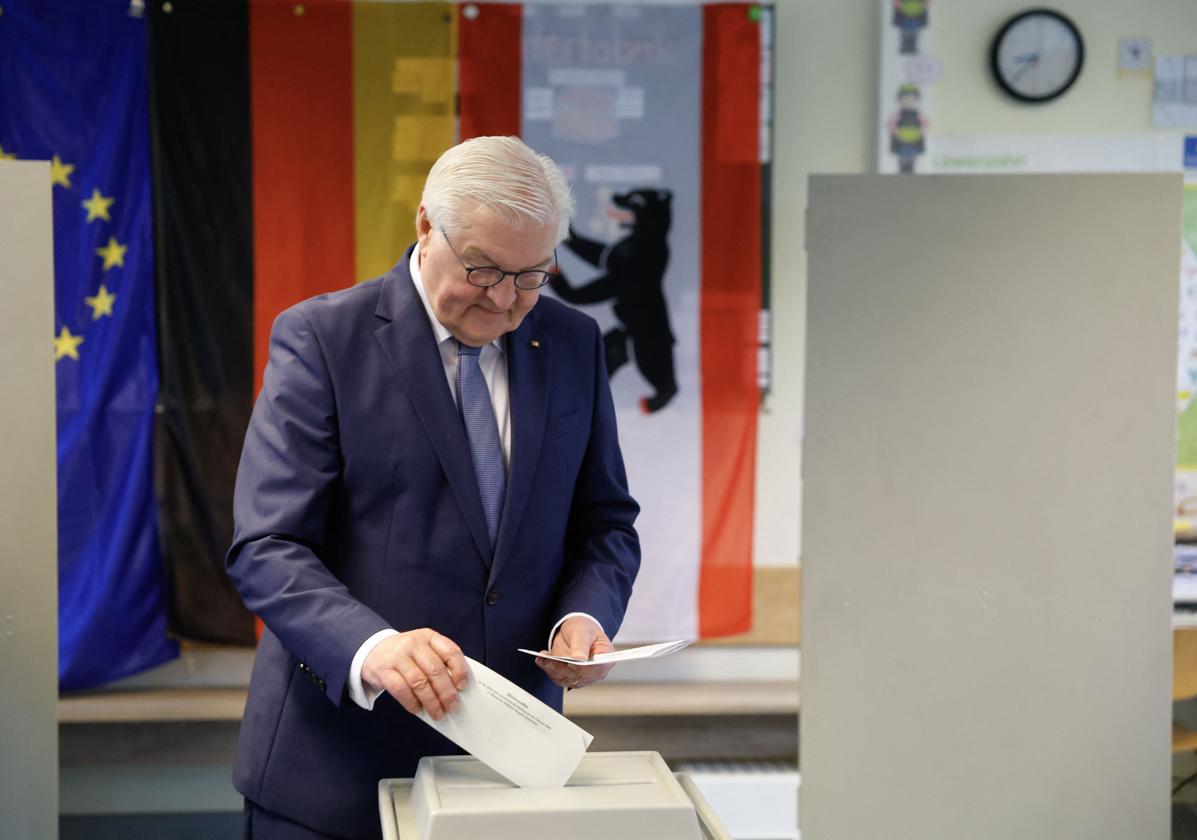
566 617
359 693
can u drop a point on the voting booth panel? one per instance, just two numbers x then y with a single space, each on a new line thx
28 506
988 465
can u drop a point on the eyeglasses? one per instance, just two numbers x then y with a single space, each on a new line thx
487 276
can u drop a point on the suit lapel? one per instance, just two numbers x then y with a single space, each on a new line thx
410 344
527 384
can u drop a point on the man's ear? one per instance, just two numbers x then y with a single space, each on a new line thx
423 227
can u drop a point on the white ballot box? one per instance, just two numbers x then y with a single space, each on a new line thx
624 795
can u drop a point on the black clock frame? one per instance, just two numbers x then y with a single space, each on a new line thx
997 41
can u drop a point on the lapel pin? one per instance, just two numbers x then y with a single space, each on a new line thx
534 344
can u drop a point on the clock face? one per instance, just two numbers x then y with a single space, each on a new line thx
1037 55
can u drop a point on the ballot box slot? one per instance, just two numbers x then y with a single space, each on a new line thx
630 795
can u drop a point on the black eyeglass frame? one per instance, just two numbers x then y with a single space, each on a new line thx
472 271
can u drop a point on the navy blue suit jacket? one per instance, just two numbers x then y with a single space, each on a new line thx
356 509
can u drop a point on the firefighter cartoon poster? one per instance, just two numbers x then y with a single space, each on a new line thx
908 70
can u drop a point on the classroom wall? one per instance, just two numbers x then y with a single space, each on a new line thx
826 122
825 96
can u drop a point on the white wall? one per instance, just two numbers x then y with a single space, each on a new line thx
824 118
825 122
968 102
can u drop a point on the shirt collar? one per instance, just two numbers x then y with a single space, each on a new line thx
441 331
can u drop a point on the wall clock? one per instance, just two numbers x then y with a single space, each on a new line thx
1037 55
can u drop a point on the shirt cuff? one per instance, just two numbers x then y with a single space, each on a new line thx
358 692
564 618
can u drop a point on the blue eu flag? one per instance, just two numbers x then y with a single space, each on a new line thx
74 91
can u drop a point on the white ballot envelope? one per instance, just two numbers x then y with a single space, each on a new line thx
512 732
642 652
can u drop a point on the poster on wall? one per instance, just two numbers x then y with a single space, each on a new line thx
1174 92
908 70
1186 369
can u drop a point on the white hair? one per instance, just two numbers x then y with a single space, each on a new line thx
503 175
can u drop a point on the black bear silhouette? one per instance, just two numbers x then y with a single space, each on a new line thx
633 277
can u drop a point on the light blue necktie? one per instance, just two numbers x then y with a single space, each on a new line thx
486 450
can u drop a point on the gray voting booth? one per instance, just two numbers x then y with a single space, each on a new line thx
988 458
28 506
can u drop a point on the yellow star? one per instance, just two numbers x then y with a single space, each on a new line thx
60 173
7 155
97 206
113 253
101 304
66 344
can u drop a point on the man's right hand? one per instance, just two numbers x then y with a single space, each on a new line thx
421 669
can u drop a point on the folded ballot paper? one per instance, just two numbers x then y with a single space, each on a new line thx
512 732
626 655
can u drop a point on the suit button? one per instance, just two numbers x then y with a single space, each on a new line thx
492 597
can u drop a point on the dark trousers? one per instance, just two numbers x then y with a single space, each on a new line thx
261 824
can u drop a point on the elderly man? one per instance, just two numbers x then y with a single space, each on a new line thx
432 471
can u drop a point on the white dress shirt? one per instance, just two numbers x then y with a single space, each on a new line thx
493 362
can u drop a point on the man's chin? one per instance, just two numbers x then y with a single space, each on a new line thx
480 337
486 329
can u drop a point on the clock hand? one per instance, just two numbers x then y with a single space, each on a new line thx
1022 70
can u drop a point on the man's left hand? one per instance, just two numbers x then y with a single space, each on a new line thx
579 638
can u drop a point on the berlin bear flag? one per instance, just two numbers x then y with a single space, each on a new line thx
605 89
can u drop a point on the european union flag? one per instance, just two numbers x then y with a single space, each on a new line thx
73 90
